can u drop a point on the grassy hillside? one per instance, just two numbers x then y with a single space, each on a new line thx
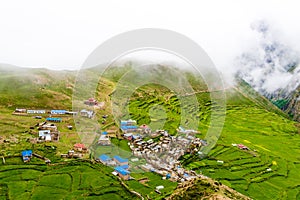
250 119
35 88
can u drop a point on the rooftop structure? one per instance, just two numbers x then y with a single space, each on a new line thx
104 158
87 113
45 135
20 110
243 147
80 147
129 122
91 102
123 173
104 139
58 112
36 111
26 155
71 112
53 119
120 161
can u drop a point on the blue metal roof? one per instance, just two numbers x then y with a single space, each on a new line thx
121 171
104 133
128 127
104 157
136 136
124 166
26 153
121 160
58 111
53 119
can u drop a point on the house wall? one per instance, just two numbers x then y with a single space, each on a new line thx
125 177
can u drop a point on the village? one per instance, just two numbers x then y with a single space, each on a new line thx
159 150
162 156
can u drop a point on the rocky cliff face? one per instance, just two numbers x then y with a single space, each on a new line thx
293 106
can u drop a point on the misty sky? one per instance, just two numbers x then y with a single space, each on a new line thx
61 34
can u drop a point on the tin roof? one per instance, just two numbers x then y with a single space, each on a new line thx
119 159
121 171
104 157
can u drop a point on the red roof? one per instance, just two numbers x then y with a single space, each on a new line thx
79 145
241 146
92 100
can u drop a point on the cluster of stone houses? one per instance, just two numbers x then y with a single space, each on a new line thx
130 127
162 156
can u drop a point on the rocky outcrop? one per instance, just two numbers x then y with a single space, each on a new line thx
294 105
205 188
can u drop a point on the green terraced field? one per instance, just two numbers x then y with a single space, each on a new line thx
274 143
75 180
271 136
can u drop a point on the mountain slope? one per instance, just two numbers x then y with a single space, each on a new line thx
35 88
250 119
293 105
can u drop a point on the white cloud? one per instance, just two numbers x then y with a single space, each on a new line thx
61 34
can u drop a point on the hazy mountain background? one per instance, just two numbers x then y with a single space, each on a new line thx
271 67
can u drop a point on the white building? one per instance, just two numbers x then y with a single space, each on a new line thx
36 111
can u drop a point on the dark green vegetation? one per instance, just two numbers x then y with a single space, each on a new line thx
250 119
281 103
293 107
